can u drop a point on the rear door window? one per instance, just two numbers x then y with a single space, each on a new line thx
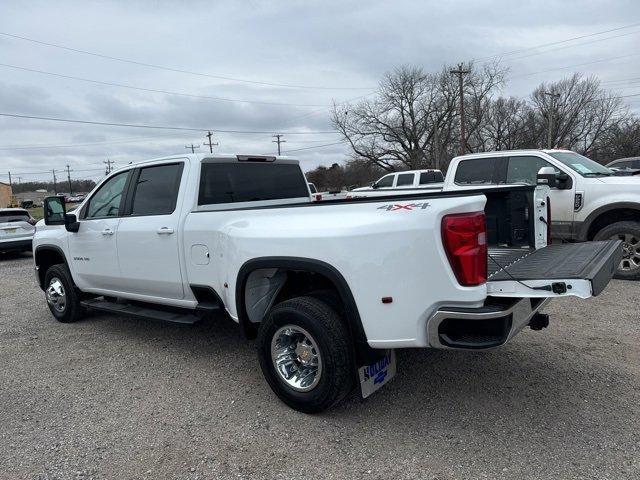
156 190
250 182
479 171
405 179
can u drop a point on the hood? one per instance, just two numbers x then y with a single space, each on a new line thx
631 180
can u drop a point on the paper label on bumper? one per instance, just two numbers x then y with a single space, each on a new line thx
374 376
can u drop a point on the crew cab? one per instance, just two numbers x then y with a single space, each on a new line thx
405 182
588 201
329 289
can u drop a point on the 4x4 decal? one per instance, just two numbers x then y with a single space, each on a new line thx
404 206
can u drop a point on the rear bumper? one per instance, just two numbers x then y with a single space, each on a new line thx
13 245
480 328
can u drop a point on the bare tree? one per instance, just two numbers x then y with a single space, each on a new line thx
620 140
581 114
414 118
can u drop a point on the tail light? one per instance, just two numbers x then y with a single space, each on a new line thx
32 221
548 221
465 240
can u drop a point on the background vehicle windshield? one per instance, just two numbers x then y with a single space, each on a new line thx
581 164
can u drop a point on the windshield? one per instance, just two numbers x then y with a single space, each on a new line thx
581 164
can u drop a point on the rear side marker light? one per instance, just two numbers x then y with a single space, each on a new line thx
465 240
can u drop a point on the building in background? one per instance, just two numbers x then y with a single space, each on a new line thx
5 194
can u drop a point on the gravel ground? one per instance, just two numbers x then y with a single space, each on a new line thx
121 398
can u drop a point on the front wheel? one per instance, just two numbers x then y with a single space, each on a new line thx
629 233
305 353
62 298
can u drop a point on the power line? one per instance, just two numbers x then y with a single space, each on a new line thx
310 148
172 69
571 46
513 52
575 65
157 127
112 142
164 92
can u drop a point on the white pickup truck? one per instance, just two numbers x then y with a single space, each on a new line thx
329 288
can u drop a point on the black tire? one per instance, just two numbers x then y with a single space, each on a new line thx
72 310
335 348
619 230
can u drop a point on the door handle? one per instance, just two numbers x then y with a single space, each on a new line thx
107 231
165 231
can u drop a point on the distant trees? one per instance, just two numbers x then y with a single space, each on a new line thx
413 121
83 186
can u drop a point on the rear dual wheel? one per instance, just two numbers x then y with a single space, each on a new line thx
629 234
305 353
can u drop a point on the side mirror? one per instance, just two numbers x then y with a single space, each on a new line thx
546 176
55 213
374 185
563 181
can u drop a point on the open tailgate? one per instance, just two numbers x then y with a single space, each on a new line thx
577 269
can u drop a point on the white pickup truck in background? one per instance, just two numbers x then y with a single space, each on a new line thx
399 183
329 288
588 201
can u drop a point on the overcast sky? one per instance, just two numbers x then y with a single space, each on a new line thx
343 47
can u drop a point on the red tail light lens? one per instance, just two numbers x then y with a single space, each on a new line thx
465 240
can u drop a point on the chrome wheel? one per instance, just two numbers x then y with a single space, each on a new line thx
630 251
56 296
296 358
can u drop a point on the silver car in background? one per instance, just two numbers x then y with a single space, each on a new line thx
17 227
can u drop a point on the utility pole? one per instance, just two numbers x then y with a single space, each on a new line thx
55 188
461 72
10 182
436 142
552 107
69 178
278 140
209 135
108 164
19 178
192 147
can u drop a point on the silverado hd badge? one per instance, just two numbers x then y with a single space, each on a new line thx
404 206
374 376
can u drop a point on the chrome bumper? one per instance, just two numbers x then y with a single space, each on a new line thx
513 318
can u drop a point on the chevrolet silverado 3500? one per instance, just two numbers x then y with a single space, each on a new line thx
329 289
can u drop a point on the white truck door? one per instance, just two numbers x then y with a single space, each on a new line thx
93 249
524 169
148 234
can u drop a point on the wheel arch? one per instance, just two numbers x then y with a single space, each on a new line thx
607 215
44 257
298 264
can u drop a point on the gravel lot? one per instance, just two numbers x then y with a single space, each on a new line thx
121 398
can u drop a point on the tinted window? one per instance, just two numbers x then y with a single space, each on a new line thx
106 201
250 182
385 181
14 216
525 169
431 177
479 171
157 190
405 179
